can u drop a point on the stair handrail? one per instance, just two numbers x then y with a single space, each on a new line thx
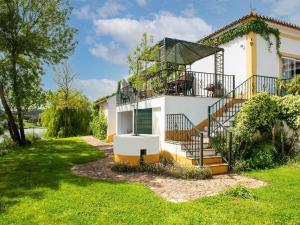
184 136
221 137
227 146
247 92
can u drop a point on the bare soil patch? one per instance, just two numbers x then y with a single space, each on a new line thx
171 189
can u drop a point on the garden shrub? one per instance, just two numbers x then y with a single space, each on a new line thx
240 191
6 144
253 131
124 167
172 170
257 114
258 156
98 123
166 161
295 161
289 110
293 86
262 157
239 166
192 172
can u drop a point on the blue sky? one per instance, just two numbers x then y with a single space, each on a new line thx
109 30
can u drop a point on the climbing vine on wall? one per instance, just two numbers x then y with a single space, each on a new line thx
257 26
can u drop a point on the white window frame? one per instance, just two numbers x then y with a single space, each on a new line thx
293 69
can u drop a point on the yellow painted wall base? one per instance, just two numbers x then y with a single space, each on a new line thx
135 160
110 138
218 169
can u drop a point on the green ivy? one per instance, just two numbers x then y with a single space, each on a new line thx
257 26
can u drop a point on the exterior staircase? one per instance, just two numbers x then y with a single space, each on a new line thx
223 112
197 143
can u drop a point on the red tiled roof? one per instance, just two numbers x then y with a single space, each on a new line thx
249 16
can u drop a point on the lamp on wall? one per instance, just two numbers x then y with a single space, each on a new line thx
251 42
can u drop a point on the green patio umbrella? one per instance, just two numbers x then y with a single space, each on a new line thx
181 52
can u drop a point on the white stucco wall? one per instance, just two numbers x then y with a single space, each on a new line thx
131 145
195 108
158 114
267 60
124 122
204 65
235 61
290 46
110 111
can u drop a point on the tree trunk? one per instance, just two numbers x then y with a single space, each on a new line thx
17 99
21 124
10 118
65 123
11 133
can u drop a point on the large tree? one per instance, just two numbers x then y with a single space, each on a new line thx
32 32
64 78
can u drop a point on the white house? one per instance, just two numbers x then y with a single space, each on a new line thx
108 105
202 105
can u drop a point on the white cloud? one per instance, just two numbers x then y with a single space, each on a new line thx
109 8
141 2
128 31
95 88
189 11
110 52
288 9
84 13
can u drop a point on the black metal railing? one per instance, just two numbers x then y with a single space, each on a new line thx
221 141
180 129
179 83
221 112
229 105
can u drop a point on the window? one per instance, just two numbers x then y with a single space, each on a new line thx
144 121
290 68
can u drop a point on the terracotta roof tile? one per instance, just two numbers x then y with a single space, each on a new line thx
249 16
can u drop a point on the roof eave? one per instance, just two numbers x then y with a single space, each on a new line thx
245 18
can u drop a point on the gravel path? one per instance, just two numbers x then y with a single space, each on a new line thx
171 189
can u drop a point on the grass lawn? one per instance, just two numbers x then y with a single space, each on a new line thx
37 187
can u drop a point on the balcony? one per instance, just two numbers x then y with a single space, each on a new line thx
178 83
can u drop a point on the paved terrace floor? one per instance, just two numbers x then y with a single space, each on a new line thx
171 189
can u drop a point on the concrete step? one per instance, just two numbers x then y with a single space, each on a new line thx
197 138
228 123
206 152
228 115
218 168
190 145
208 160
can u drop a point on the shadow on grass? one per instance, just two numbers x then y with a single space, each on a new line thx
25 171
